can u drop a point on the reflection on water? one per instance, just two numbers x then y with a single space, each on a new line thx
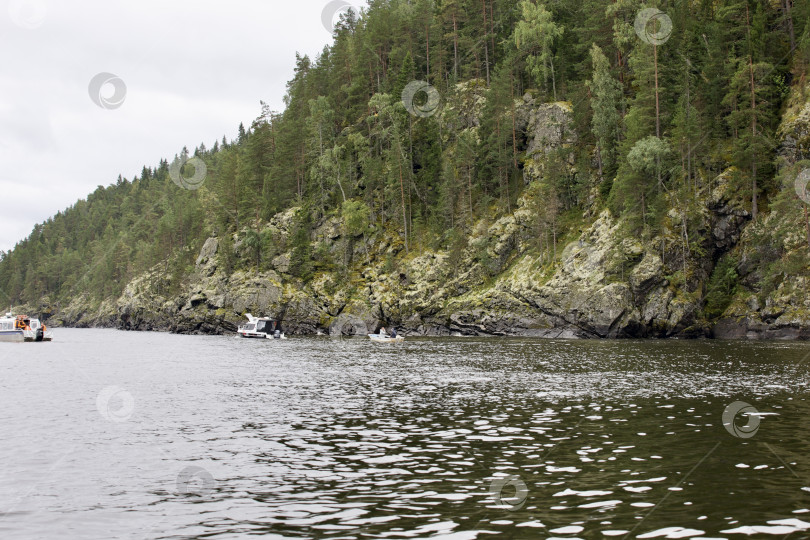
107 434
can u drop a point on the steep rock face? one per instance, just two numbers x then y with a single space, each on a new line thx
728 216
784 315
794 132
356 319
583 298
780 313
772 300
586 296
549 128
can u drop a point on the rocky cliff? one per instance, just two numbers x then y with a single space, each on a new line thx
518 275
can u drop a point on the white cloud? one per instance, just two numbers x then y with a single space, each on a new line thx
193 71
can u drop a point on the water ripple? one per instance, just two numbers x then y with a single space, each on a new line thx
450 438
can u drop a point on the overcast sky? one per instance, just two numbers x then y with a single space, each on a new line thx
192 70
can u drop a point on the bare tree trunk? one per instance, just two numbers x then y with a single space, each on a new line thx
688 132
786 5
657 107
553 80
486 45
455 48
404 212
492 29
807 225
754 209
427 48
554 233
685 234
599 160
657 117
514 120
505 179
338 180
469 192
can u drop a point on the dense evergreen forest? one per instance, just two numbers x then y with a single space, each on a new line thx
662 103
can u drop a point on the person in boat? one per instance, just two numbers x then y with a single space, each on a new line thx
393 333
383 332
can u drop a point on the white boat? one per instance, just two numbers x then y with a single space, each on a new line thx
22 328
385 338
261 327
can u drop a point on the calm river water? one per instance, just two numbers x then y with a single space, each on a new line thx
107 434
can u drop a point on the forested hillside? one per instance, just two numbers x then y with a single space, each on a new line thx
599 168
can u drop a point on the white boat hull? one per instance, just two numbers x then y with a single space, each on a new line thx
12 336
30 335
377 338
260 335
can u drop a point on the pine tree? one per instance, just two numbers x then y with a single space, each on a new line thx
606 94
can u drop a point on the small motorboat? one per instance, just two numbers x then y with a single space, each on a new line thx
261 327
385 338
23 328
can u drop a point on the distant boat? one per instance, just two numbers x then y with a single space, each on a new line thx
261 327
23 328
385 338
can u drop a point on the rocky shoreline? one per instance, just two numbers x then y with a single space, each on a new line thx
584 297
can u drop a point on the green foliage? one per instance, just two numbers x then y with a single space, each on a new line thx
253 245
605 99
646 155
536 33
721 288
225 254
355 217
300 242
